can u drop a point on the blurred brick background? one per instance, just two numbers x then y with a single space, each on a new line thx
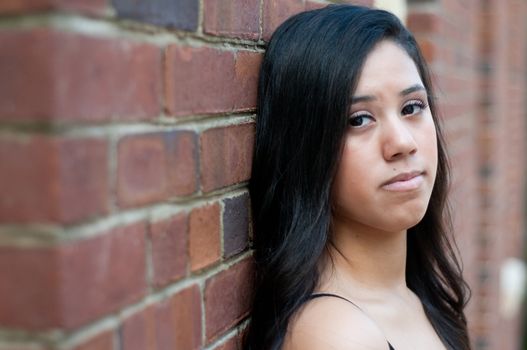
477 51
126 133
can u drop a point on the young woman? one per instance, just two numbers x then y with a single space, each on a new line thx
348 192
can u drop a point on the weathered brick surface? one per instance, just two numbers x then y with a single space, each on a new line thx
180 14
277 11
235 224
173 323
155 166
138 332
59 73
47 74
90 289
142 170
471 49
429 49
204 240
246 68
239 18
424 22
28 292
226 156
186 310
169 249
228 297
182 162
102 341
225 81
42 179
11 7
74 283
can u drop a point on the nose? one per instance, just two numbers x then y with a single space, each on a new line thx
398 140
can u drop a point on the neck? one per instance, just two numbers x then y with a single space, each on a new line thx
367 259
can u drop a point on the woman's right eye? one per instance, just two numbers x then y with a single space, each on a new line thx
360 120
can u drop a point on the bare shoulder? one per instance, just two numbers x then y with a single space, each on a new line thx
332 323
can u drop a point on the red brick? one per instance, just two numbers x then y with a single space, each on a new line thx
228 297
202 72
169 249
224 82
277 11
12 7
28 292
156 166
47 74
204 241
428 49
142 170
103 341
92 288
226 156
246 69
423 22
182 153
42 179
238 18
138 331
186 310
178 321
165 325
73 283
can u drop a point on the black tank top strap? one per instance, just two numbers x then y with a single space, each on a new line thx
318 295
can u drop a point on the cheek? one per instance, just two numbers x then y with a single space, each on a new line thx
353 180
428 145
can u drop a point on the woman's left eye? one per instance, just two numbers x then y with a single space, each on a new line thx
413 107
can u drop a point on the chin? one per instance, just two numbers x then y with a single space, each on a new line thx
404 220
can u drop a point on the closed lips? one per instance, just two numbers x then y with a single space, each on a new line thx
404 181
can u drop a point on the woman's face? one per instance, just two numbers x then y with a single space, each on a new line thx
389 161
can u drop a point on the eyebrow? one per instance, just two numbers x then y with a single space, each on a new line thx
368 98
413 88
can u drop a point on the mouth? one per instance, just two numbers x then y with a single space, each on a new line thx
407 181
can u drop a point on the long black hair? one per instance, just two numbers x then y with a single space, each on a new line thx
309 72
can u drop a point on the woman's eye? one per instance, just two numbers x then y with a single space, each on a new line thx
413 107
359 121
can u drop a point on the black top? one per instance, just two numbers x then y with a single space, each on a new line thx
317 295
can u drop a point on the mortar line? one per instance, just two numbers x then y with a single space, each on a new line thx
121 28
197 124
51 235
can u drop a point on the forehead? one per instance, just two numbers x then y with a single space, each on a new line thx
387 66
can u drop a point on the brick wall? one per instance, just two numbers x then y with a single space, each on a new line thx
126 133
125 148
477 52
